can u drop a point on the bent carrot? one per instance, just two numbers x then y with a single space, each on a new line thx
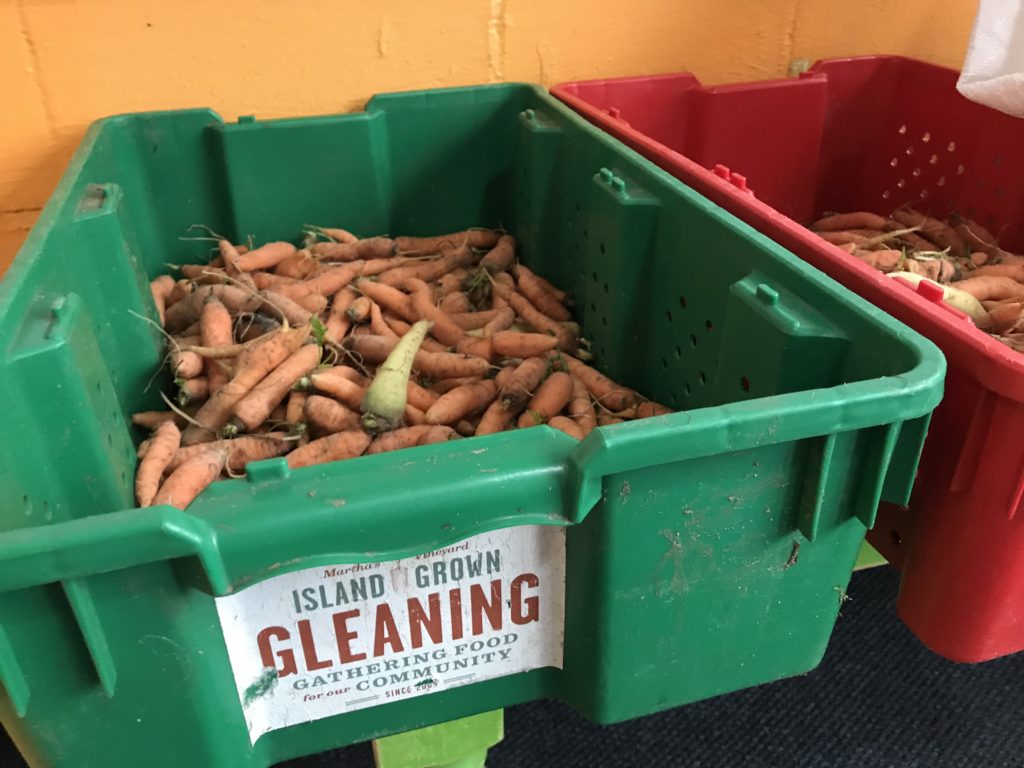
937 231
472 238
503 320
158 455
567 425
989 288
335 447
460 402
241 451
442 327
605 391
500 256
266 256
389 298
884 261
581 409
530 286
216 331
327 416
191 478
496 418
515 344
396 439
339 386
438 365
517 385
471 321
366 248
551 397
338 321
253 409
845 221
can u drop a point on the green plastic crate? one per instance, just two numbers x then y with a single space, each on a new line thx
705 551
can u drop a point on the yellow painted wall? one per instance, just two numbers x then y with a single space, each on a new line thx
64 63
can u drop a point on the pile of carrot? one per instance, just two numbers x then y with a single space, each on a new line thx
345 346
978 276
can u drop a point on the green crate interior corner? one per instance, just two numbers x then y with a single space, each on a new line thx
706 551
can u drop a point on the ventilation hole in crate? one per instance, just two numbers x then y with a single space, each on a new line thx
999 191
894 162
110 440
708 326
933 159
577 208
585 234
901 183
927 137
910 150
636 338
960 170
997 160
916 172
26 505
99 387
970 211
885 195
745 384
570 222
924 193
693 340
679 352
601 248
664 363
668 316
942 181
124 477
951 146
47 515
594 275
604 321
895 538
682 302
902 130
990 220
593 307
672 398
701 377
686 389
977 183
605 289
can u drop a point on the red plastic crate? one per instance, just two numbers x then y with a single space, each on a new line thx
874 133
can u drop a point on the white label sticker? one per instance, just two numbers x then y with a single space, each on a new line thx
322 641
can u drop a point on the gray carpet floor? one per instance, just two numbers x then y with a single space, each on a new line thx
879 700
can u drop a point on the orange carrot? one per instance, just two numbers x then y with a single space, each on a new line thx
266 256
153 419
535 318
567 425
367 248
455 405
187 311
158 455
530 286
607 418
338 321
454 303
313 303
605 391
338 235
937 231
285 307
191 478
240 450
161 288
514 344
253 409
186 365
438 433
295 408
216 331
1016 271
580 409
470 321
377 324
500 256
517 385
419 397
1005 315
193 390
450 282
334 447
181 289
845 221
551 397
396 439
299 265
327 416
390 299
503 320
842 238
443 328
472 238
414 415
884 261
259 358
332 280
438 365
495 419
988 288
338 386
649 408
359 310
473 345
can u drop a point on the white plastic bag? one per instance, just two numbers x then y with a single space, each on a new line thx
993 72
